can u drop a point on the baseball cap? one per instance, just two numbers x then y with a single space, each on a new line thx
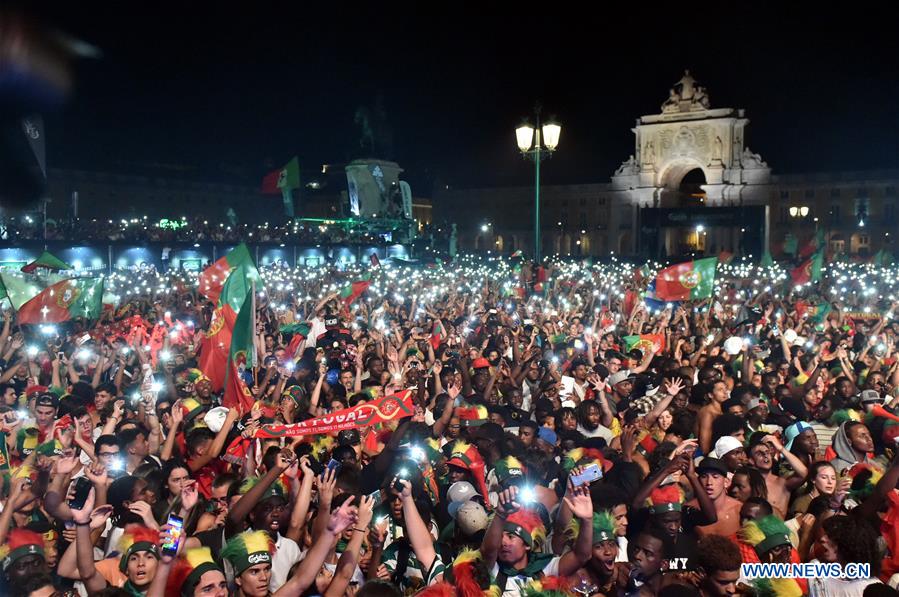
547 435
461 491
793 431
725 445
711 464
871 397
47 399
480 363
471 518
755 403
617 378
348 437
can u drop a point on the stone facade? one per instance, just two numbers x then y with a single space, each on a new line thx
687 140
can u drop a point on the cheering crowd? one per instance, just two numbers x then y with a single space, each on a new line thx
538 430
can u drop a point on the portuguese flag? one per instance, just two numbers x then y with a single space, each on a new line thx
241 351
644 342
685 281
214 277
20 289
65 300
351 292
227 282
47 261
809 270
283 179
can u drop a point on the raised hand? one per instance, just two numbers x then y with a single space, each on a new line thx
100 515
343 517
66 463
507 502
674 386
366 511
142 509
97 474
83 515
189 496
579 502
326 484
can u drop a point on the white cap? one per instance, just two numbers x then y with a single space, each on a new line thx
215 418
725 445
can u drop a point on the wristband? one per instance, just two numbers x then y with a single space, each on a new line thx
355 530
83 524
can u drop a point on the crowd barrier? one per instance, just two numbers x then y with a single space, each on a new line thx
107 257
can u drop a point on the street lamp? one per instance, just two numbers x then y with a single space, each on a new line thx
537 143
798 212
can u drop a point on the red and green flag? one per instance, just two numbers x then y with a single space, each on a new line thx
645 342
65 300
21 288
353 291
685 281
214 278
300 332
242 351
228 282
46 261
282 179
809 270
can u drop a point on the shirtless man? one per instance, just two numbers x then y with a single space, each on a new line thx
712 475
761 456
717 394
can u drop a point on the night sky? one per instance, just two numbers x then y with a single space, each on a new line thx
230 94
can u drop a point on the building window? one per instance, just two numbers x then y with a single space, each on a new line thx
889 212
834 192
863 240
564 202
890 191
862 192
809 193
784 212
602 201
583 201
583 219
834 213
785 194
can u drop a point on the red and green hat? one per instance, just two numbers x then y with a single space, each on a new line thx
248 549
471 415
668 498
527 525
137 538
21 543
509 469
466 456
188 570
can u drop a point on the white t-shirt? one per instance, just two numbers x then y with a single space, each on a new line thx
838 587
287 553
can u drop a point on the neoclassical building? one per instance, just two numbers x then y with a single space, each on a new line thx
690 184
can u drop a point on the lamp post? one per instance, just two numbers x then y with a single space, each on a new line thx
537 142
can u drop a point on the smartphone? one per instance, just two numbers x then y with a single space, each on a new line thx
334 465
82 489
170 546
376 496
590 473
